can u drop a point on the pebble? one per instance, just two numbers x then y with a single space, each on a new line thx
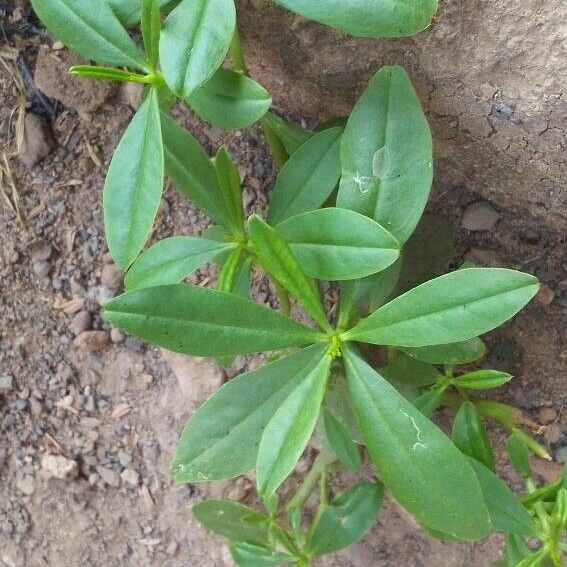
480 216
6 383
481 257
547 415
38 140
21 405
130 476
108 476
545 295
39 249
561 454
111 276
548 470
26 485
81 322
57 466
42 269
92 340
130 94
117 336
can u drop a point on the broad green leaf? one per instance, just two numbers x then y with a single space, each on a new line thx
290 135
93 32
337 400
229 183
379 18
134 184
288 432
230 520
247 554
386 155
482 379
448 309
455 353
171 260
346 519
192 171
194 40
277 259
507 514
338 244
204 322
519 454
407 370
221 440
341 442
230 100
151 28
129 12
469 435
308 177
416 461
516 550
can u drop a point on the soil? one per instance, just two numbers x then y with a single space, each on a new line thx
110 408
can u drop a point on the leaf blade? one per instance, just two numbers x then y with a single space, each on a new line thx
340 442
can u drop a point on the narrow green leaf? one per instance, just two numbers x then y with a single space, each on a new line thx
96 72
338 244
279 262
129 12
229 519
428 402
228 180
288 432
211 448
424 471
407 370
519 454
290 135
252 555
338 402
228 271
194 40
451 308
308 177
469 435
455 353
134 184
386 155
92 33
204 322
341 442
380 18
516 550
151 26
230 100
192 171
171 260
346 520
482 379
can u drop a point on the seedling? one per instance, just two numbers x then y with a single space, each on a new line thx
345 208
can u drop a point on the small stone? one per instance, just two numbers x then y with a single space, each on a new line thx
42 269
130 476
38 140
547 415
57 466
480 216
130 94
117 336
6 383
81 322
561 454
21 405
26 485
108 476
111 276
545 295
124 458
480 257
39 249
92 340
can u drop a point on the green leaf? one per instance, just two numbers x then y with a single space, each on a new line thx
448 309
171 260
92 33
279 262
469 435
380 18
346 520
428 402
422 468
230 520
134 184
386 155
519 454
151 27
204 322
129 12
407 370
230 100
507 514
96 72
337 400
338 244
290 135
251 555
192 171
228 271
229 183
288 432
195 38
341 442
455 353
516 550
308 177
221 440
482 379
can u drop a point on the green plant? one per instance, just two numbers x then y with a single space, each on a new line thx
393 302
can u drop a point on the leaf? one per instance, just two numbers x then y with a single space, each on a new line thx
195 38
92 33
407 370
129 12
251 555
482 379
340 442
229 519
386 155
455 353
134 184
288 432
337 400
338 244
516 550
192 171
308 177
519 454
428 402
204 322
221 440
228 180
171 260
507 514
151 27
230 100
451 308
346 520
228 271
424 471
290 135
380 18
469 435
99 73
279 262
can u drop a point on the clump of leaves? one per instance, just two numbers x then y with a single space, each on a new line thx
346 208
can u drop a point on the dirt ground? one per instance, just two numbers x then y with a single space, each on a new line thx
89 418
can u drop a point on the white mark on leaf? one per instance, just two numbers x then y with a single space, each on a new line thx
362 183
419 444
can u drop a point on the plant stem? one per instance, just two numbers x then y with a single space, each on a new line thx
237 53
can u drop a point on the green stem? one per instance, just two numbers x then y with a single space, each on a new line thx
237 53
538 507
